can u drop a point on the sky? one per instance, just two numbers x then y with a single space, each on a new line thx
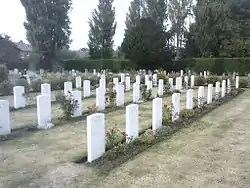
12 16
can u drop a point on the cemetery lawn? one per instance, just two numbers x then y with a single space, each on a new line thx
212 152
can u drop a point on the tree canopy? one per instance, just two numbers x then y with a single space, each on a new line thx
48 28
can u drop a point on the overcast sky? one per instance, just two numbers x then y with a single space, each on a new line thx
12 16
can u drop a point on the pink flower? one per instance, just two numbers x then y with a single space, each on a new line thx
165 106
107 133
124 133
76 100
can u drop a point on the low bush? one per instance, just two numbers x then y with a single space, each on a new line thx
200 81
23 82
212 80
243 83
36 85
6 88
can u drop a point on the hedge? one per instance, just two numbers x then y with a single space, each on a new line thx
218 65
114 65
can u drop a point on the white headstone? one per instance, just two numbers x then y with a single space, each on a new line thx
201 74
186 80
78 82
146 79
161 87
171 82
157 114
189 99
116 82
234 75
178 85
223 88
136 93
16 71
209 93
149 85
102 84
228 86
5 127
100 98
138 79
237 82
176 106
217 89
205 74
94 71
44 115
132 121
201 96
155 79
95 136
77 96
122 77
67 87
192 81
46 90
120 95
19 97
86 88
127 83
182 73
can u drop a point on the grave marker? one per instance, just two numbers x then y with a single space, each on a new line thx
95 136
132 121
157 114
5 127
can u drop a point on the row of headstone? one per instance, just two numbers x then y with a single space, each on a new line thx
96 122
44 114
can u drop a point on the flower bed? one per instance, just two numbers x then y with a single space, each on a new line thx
147 138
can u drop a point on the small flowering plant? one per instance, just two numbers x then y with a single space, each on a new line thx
114 138
167 113
68 104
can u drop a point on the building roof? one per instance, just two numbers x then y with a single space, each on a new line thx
23 46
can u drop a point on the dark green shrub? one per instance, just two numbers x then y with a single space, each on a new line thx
187 113
162 76
6 88
58 84
3 73
243 83
145 94
36 85
23 82
212 80
94 80
200 81
115 65
219 65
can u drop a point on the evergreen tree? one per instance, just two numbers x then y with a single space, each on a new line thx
145 44
102 30
48 28
156 10
134 14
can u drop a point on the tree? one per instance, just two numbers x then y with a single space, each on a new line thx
48 28
220 29
178 11
102 30
134 14
156 10
145 44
